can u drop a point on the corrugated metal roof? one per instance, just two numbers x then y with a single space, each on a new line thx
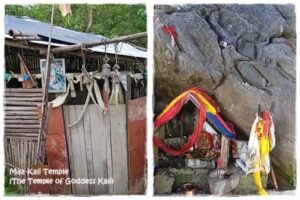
63 36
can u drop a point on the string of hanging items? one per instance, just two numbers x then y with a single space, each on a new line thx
86 79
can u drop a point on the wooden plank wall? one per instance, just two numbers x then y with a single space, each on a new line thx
21 126
119 148
97 148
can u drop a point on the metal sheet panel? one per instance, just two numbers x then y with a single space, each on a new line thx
56 147
40 188
57 159
137 109
137 144
136 134
65 36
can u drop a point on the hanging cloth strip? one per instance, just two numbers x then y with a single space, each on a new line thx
170 30
261 143
116 93
7 77
99 97
105 92
217 122
85 105
99 105
90 91
60 99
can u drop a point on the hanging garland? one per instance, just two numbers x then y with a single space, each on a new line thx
173 109
207 109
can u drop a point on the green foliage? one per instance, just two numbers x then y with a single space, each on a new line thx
109 20
11 190
293 177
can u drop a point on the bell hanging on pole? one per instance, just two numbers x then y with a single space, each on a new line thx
106 68
116 66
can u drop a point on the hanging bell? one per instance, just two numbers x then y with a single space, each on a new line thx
116 66
106 68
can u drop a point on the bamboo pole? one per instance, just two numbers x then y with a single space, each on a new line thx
45 110
27 38
17 33
27 71
41 49
76 47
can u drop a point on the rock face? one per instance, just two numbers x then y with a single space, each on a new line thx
198 177
257 66
246 185
220 186
163 183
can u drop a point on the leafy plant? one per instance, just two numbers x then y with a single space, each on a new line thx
11 190
109 20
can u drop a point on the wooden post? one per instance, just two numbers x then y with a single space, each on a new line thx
128 92
225 145
17 33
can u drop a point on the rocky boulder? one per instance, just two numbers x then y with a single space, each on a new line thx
256 66
219 185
